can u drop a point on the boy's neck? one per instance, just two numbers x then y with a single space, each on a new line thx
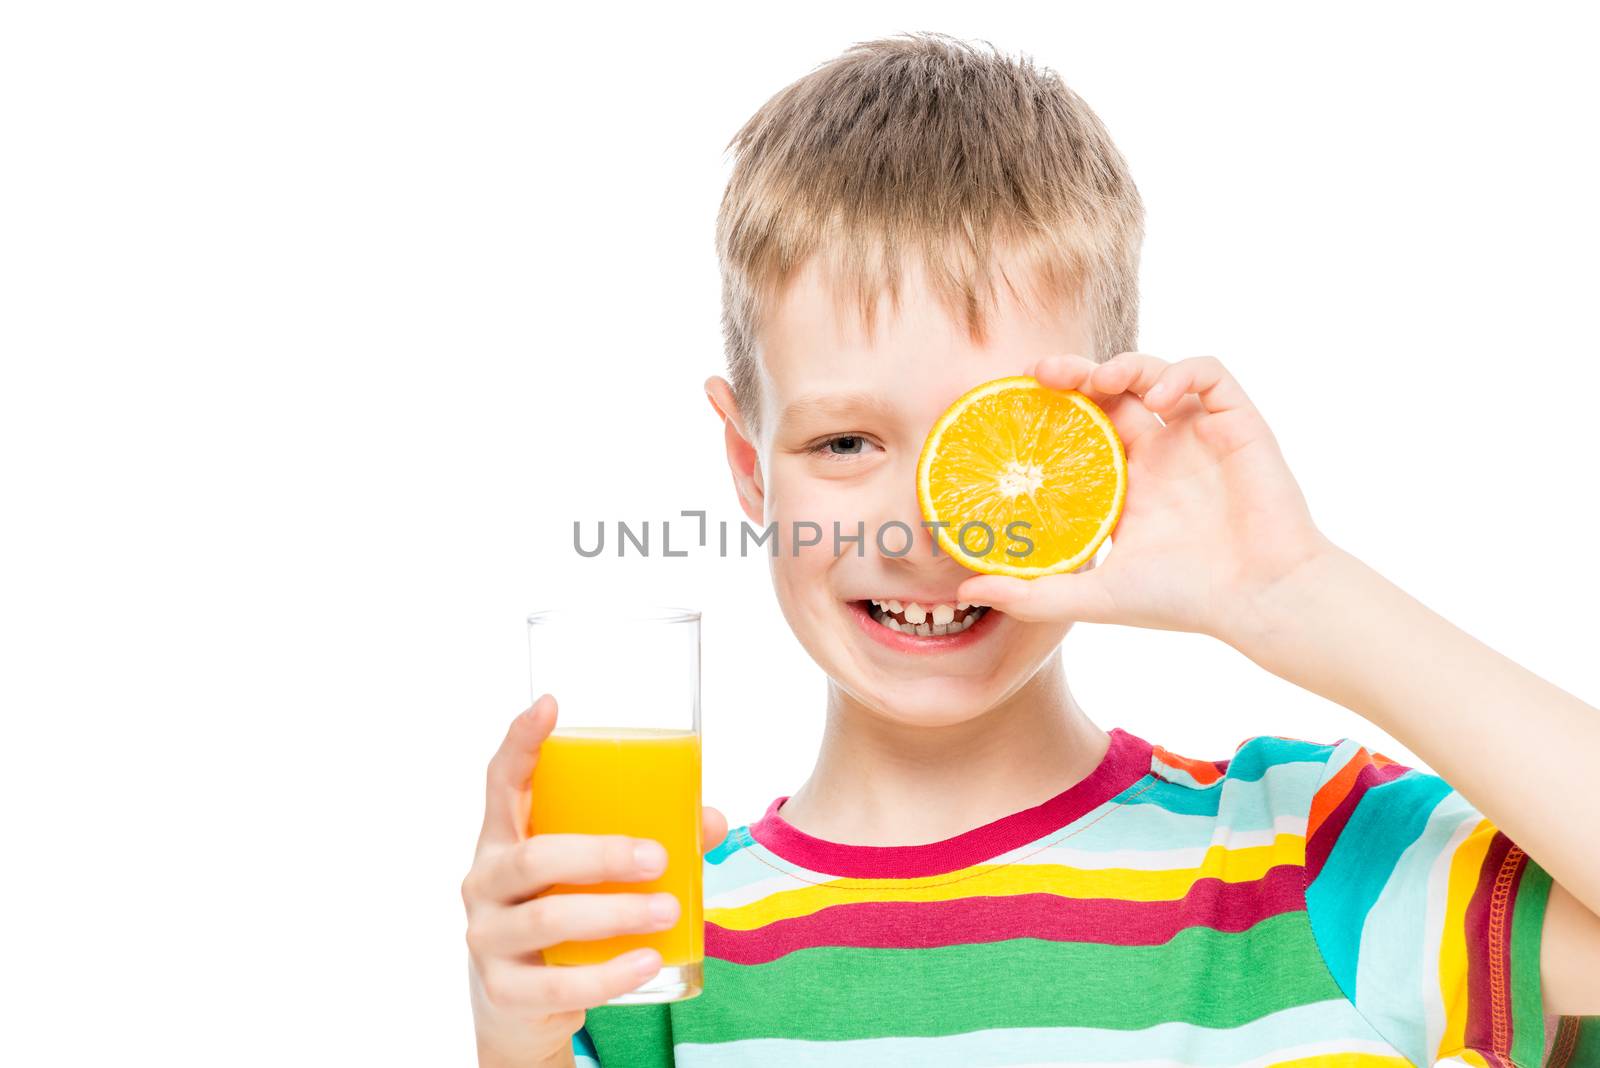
881 783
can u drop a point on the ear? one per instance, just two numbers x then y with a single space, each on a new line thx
743 459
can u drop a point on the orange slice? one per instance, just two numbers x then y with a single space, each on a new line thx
1014 452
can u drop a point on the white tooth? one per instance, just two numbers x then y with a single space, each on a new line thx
915 613
892 625
943 613
961 605
924 630
943 628
895 606
875 602
957 628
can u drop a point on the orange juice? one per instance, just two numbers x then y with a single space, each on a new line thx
640 781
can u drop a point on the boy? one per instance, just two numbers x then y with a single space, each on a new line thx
975 873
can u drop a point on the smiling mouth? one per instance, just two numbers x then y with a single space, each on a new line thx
923 620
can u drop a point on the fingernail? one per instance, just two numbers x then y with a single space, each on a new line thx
664 908
650 857
643 961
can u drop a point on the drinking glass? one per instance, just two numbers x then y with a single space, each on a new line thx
624 758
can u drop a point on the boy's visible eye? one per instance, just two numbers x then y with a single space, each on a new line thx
841 445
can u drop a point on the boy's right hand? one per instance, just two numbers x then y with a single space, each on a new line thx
524 1011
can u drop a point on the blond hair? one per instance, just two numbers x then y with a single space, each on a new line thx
924 143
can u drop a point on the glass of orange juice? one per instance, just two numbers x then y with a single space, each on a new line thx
624 758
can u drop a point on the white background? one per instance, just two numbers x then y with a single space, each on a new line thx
322 322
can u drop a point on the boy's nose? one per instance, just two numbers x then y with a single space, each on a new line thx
924 553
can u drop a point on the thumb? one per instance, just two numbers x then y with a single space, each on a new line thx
505 809
713 827
1063 598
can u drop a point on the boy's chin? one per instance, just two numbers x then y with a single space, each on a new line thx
931 700
935 710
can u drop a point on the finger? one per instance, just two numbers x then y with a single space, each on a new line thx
569 917
1129 372
1130 418
505 803
1069 371
543 988
518 872
1074 596
1073 372
1203 377
713 828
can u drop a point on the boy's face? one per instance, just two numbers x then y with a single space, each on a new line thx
843 423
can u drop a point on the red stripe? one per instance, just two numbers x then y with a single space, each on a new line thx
1488 1025
1320 844
1205 772
1210 902
1328 796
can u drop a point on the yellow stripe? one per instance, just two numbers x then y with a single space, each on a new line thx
1345 1060
1464 870
1019 877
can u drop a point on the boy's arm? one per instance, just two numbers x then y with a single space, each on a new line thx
1221 542
1520 749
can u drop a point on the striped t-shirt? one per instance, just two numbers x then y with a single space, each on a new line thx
1295 904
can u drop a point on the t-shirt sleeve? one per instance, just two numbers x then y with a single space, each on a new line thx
1427 915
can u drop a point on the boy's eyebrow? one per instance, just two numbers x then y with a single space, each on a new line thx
835 404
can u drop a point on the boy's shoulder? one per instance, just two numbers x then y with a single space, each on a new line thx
1260 754
1253 758
1290 773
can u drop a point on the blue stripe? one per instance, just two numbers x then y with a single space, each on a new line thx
1258 754
583 1050
737 839
1387 819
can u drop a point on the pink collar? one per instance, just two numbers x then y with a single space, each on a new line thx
1126 761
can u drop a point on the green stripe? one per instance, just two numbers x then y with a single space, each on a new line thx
1202 976
1527 928
631 1036
1586 1054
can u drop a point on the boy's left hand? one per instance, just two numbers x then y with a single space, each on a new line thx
1212 521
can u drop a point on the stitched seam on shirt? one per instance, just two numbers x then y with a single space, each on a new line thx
900 884
1498 995
1496 916
1566 1042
